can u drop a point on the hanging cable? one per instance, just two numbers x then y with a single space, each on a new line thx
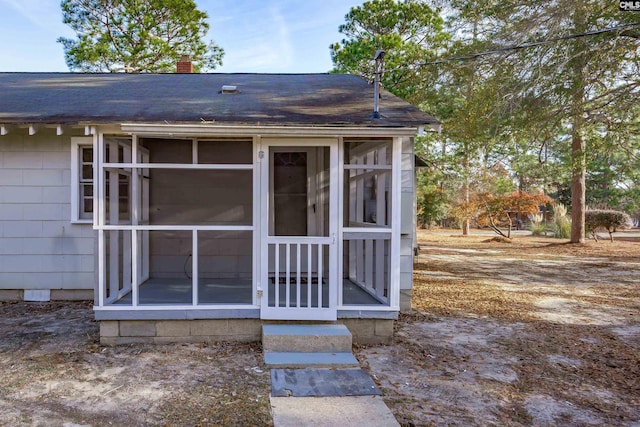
522 46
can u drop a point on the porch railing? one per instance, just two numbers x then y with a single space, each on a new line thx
298 272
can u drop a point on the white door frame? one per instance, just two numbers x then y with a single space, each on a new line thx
292 243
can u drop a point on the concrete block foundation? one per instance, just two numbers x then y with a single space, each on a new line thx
72 294
116 332
370 331
11 294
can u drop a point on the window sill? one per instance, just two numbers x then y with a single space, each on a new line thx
82 221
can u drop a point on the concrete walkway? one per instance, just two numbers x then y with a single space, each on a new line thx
309 384
327 397
344 411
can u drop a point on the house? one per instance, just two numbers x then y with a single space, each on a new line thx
195 207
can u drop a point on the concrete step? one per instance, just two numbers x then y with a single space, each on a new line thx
306 338
295 360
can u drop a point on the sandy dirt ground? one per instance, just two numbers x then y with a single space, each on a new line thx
534 332
53 373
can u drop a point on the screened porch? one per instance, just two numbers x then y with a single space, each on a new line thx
235 223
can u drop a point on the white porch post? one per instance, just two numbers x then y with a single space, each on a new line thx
194 267
194 151
98 201
396 218
134 268
101 289
340 207
135 220
334 224
135 182
258 262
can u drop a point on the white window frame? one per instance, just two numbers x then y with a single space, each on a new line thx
77 143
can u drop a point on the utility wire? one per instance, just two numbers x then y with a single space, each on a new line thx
523 46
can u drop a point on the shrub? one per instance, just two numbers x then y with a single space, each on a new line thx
537 226
610 220
432 206
561 223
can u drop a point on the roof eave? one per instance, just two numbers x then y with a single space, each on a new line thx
191 130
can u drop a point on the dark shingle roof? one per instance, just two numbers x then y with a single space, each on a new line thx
269 99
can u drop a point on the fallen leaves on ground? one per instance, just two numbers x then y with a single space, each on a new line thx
485 344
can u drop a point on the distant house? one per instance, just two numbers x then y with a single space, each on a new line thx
196 206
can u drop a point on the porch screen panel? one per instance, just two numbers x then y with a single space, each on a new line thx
367 183
179 216
299 191
117 275
225 267
290 193
164 278
178 151
170 268
225 152
368 171
366 266
200 197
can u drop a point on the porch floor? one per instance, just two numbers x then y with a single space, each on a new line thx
156 291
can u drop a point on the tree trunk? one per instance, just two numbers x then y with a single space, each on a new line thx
578 146
466 192
578 184
466 224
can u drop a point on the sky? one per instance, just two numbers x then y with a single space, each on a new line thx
261 36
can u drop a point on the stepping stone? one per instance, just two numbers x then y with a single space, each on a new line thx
322 383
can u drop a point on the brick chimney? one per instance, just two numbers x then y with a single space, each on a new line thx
184 65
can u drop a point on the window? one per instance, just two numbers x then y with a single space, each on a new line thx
82 179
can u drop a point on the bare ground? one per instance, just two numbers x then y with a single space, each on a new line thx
533 332
527 333
53 373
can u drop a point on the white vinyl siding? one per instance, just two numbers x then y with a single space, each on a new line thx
39 247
